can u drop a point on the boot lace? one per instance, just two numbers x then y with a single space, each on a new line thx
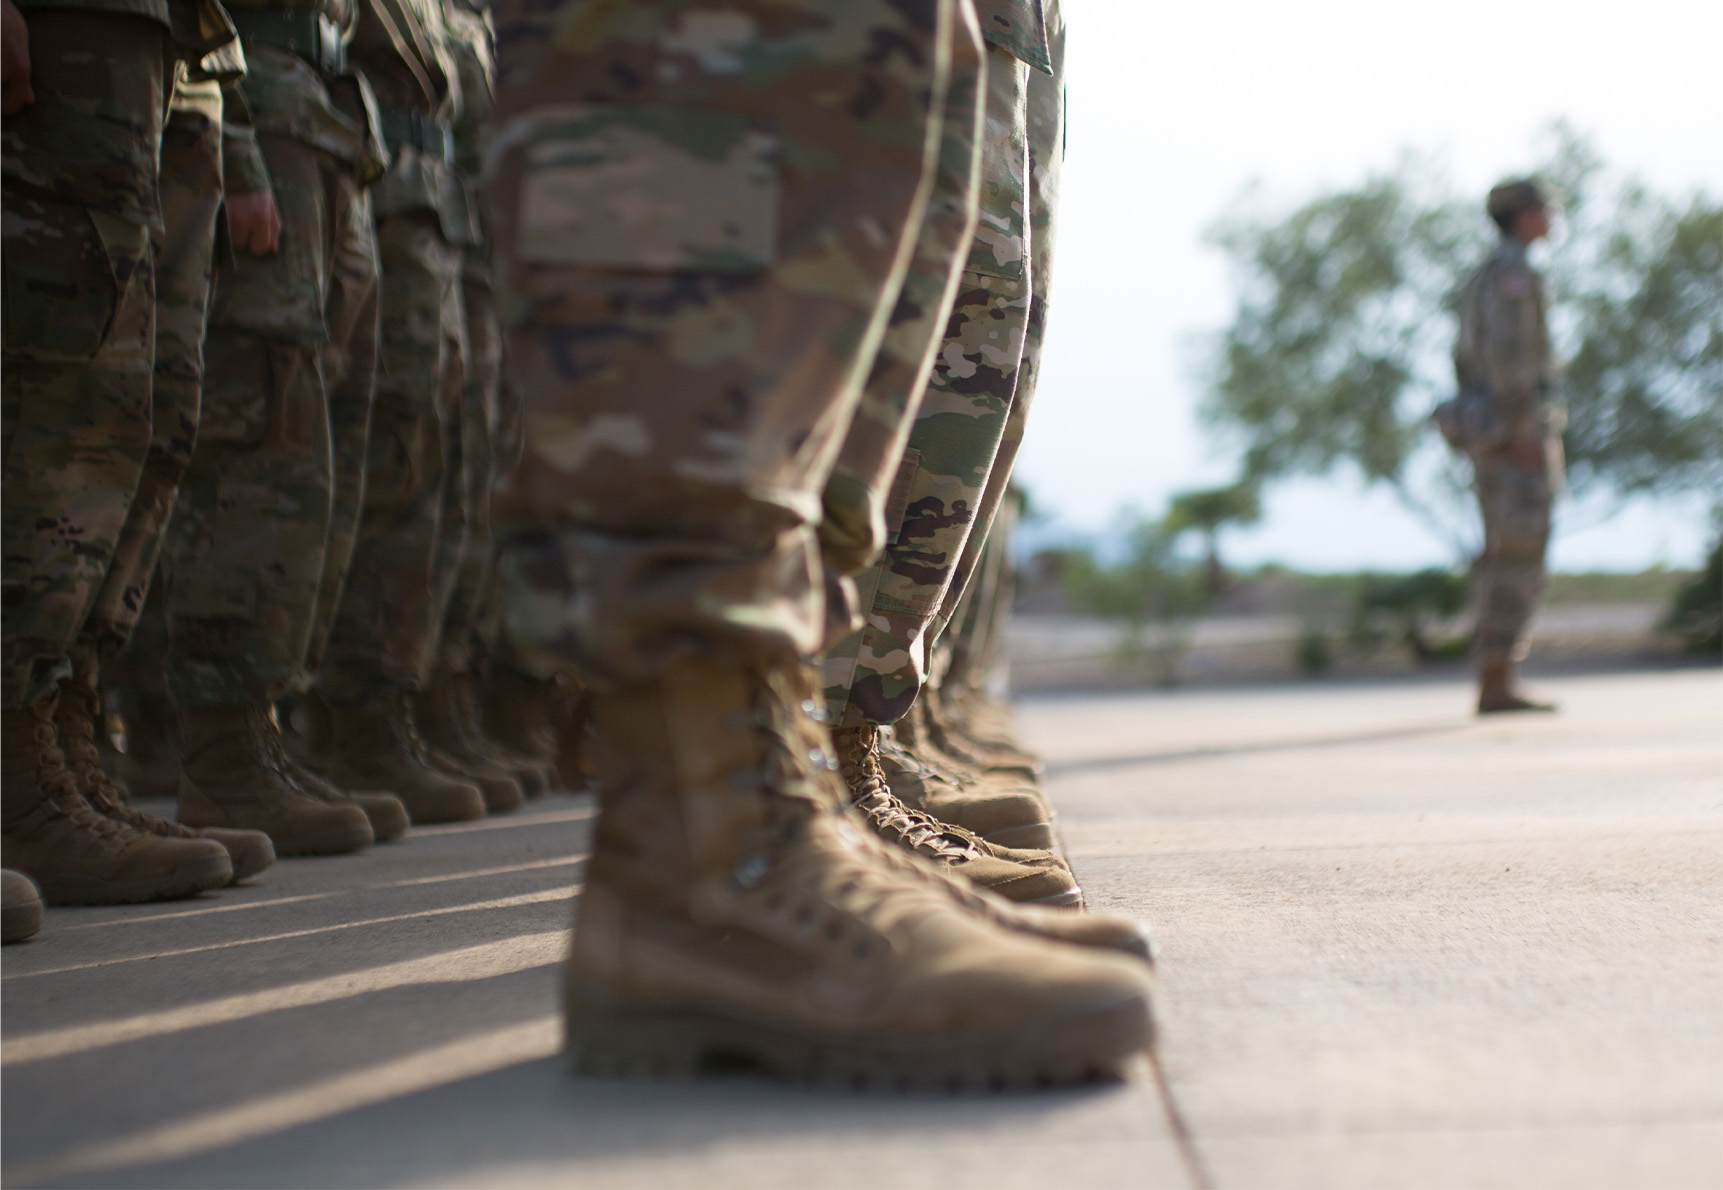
872 796
61 785
75 729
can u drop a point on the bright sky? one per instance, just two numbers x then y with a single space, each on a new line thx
1174 108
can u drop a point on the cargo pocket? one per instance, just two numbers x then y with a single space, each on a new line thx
650 189
65 277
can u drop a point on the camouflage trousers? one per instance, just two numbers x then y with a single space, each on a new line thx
471 624
191 194
78 335
965 439
252 534
1508 577
411 533
688 381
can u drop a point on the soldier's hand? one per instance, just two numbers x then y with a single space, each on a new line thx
15 90
254 222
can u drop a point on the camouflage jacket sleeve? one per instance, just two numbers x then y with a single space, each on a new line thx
242 168
1515 351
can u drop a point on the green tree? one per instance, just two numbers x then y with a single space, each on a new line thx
1208 511
1340 343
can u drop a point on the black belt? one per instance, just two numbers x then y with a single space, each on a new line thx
302 31
431 137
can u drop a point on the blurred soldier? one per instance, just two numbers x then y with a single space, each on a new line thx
86 99
959 459
1506 420
706 216
412 531
252 530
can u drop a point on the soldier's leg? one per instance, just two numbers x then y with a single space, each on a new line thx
80 199
449 706
1509 577
387 623
353 313
245 551
687 391
872 678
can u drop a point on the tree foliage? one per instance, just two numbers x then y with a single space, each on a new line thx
1340 344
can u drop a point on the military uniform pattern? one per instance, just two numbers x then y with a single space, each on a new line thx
246 561
81 203
641 532
962 445
468 627
412 530
184 254
1506 376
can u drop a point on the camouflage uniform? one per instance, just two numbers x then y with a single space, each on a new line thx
969 424
246 562
465 623
82 202
641 533
191 195
412 528
1506 376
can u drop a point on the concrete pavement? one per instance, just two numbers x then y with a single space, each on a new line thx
1399 948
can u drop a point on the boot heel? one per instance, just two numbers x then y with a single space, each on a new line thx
605 1038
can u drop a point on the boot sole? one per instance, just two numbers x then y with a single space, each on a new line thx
341 840
187 880
1069 899
20 921
1086 1043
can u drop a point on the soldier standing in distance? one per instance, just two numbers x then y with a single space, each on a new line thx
1506 420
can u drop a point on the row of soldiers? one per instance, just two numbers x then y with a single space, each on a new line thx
772 277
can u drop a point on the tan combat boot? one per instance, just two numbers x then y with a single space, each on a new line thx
20 906
523 715
1005 810
75 729
378 747
734 915
234 778
450 708
1032 877
448 748
1497 693
935 724
387 815
75 855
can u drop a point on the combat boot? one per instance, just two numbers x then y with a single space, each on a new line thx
1033 877
76 727
1004 810
523 715
735 916
387 815
1497 693
20 906
448 749
75 855
234 778
979 728
377 746
451 708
